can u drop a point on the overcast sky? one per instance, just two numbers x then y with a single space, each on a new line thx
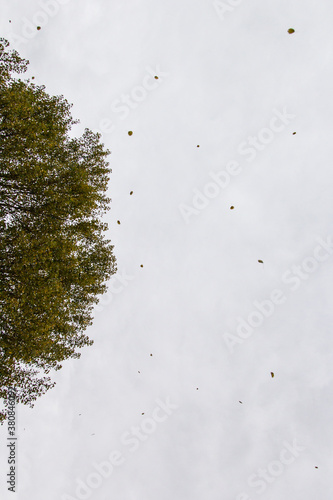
175 399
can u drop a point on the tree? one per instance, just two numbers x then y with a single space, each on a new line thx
54 257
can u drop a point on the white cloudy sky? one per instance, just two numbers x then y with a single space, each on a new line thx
225 75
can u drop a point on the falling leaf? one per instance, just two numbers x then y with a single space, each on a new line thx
232 207
294 133
9 20
291 30
118 221
131 192
38 28
316 467
32 78
130 132
151 354
240 402
142 413
141 265
198 146
261 261
272 374
156 77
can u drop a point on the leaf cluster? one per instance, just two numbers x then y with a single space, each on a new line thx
54 257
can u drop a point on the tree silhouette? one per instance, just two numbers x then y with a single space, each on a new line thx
54 258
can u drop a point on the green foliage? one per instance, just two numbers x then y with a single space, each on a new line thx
54 258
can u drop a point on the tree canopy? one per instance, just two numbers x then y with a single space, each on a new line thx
54 256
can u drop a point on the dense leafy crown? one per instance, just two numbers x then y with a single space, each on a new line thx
54 258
